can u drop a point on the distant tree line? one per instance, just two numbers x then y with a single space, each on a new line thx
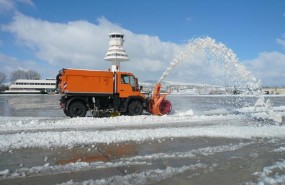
18 74
22 74
2 78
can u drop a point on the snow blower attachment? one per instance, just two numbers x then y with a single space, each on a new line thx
158 105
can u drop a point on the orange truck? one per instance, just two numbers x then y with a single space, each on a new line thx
106 93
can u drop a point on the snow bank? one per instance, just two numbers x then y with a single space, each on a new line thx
146 177
189 154
28 124
281 149
73 138
271 174
68 168
4 172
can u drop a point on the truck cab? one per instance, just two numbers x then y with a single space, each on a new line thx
128 85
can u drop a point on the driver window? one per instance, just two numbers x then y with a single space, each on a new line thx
125 79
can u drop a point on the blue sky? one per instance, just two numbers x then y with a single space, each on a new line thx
154 31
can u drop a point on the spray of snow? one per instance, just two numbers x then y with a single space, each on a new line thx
265 110
236 78
235 74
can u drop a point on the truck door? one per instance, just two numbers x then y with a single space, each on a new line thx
128 86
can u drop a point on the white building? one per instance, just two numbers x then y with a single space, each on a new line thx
32 86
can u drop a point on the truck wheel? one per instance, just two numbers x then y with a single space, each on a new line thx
65 112
77 109
135 108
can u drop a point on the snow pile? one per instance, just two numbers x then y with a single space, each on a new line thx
187 113
191 153
8 124
274 174
4 172
72 138
146 177
68 168
281 149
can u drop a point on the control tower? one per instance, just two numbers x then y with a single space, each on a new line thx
116 53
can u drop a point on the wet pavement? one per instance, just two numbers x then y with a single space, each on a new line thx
226 161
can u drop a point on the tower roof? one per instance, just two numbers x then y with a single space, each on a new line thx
116 35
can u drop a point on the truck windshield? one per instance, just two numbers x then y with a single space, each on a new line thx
132 81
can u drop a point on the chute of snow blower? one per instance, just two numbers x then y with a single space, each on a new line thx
158 105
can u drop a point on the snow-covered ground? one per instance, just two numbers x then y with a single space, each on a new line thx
44 132
232 138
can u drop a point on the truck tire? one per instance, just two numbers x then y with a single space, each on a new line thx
135 108
65 112
77 109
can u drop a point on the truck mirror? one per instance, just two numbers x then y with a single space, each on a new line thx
141 87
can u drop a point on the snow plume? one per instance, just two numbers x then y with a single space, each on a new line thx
175 61
264 110
218 60
218 65
199 46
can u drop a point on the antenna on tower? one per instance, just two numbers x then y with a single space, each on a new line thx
116 53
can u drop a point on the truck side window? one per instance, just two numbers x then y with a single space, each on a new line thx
125 79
